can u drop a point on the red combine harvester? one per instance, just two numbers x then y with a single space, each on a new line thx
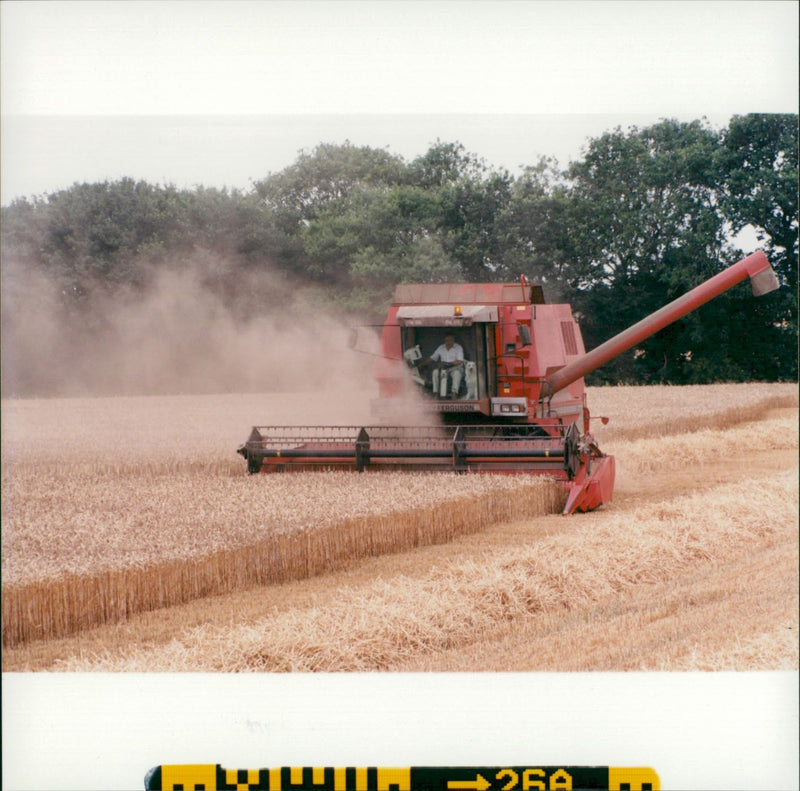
511 400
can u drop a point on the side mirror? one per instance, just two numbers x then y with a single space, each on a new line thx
524 334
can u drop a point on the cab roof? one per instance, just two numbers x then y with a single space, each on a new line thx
468 294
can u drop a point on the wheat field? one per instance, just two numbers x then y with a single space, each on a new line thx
125 519
123 514
374 627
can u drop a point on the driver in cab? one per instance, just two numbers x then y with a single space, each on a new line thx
450 355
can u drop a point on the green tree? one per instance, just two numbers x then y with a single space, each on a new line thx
375 237
471 198
90 233
644 228
320 206
327 174
471 210
445 164
759 163
535 229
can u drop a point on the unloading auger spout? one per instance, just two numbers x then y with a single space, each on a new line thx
762 280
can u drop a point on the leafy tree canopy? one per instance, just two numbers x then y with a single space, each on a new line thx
641 217
326 174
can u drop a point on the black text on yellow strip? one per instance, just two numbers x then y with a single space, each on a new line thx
194 777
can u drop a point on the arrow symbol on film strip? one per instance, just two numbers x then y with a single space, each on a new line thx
480 783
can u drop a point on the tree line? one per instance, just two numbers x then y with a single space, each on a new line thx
641 217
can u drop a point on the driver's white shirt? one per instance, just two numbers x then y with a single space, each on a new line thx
451 355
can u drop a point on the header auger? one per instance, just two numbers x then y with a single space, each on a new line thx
507 383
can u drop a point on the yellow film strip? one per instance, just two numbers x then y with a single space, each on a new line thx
204 777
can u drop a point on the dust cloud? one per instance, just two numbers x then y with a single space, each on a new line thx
189 331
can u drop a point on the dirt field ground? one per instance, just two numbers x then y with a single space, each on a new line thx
693 566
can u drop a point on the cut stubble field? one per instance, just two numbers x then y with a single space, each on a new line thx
134 540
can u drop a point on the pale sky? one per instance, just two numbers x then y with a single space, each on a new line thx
280 76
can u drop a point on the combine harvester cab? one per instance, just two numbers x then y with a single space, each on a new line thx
507 385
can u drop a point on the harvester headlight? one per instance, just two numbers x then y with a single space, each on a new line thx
457 310
505 407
